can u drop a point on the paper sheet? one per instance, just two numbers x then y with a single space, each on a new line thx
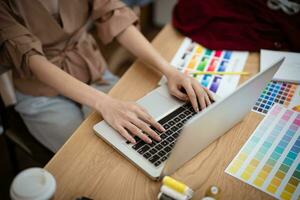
290 69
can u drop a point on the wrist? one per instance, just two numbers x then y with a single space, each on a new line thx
169 71
100 101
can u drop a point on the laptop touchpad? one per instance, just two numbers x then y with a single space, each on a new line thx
159 105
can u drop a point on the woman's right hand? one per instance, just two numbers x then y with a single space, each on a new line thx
129 119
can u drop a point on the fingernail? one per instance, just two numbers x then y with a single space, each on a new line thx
158 138
133 141
149 141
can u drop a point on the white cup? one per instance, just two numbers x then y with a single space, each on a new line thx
33 184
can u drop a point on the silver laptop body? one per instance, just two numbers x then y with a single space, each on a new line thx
199 131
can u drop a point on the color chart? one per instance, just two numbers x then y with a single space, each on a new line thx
270 159
287 94
194 57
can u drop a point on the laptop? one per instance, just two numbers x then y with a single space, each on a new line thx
187 133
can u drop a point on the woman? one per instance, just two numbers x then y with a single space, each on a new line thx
55 62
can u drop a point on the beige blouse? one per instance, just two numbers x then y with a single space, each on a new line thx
27 28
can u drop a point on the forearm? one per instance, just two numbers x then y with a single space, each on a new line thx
122 116
65 84
137 44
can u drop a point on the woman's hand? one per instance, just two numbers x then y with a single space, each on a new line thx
187 88
178 83
129 119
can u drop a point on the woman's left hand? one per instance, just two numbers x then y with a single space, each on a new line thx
187 88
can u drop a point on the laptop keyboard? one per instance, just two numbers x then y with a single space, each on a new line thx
157 152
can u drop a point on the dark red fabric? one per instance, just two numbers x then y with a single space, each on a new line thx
237 24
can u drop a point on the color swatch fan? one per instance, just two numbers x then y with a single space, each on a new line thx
270 159
192 57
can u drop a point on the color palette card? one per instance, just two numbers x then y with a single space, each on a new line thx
270 159
283 93
194 57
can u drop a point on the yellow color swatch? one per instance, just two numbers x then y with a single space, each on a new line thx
263 174
199 50
280 174
242 156
276 181
250 169
290 188
267 168
285 195
233 169
192 63
259 181
272 188
246 175
254 162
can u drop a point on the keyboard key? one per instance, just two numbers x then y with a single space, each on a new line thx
184 120
171 115
164 143
163 136
153 143
157 163
187 105
191 109
137 139
172 144
168 132
170 139
177 119
163 158
153 151
187 112
143 149
174 128
171 123
139 145
158 147
147 155
175 135
188 117
182 116
162 153
167 149
154 158
179 125
157 131
166 126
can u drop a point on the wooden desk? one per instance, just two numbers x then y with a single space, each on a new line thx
87 166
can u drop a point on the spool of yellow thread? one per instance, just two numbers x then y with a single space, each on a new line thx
178 186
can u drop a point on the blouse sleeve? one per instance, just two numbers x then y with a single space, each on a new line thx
111 18
17 44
